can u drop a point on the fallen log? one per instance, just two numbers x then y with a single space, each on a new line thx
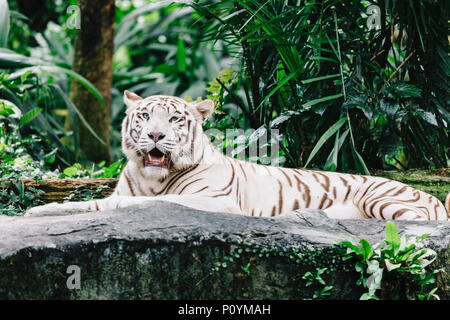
56 190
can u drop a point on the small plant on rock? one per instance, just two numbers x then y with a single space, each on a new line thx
316 279
399 270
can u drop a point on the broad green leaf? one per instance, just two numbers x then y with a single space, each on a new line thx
85 82
321 78
112 170
280 83
71 171
325 59
407 90
7 108
71 106
404 254
391 266
11 60
321 270
332 160
324 138
367 296
366 250
403 244
392 237
51 156
351 247
360 161
181 55
17 15
4 23
29 116
424 236
428 117
316 101
24 76
426 252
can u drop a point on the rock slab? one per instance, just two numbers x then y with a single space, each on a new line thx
167 251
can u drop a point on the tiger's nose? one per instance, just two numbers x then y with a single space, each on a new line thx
156 136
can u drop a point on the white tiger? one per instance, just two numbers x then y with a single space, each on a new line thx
170 158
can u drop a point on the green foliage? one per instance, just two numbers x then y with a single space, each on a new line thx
301 67
398 270
82 193
344 96
308 65
246 269
95 171
217 88
4 23
16 164
29 116
245 258
316 279
400 258
36 81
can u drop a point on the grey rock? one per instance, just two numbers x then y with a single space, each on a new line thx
167 251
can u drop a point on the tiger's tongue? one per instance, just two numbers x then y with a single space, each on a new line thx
156 161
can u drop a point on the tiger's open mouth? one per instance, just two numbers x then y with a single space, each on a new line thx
156 158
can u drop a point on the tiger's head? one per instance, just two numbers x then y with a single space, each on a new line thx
162 134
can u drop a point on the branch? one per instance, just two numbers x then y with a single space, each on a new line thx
396 70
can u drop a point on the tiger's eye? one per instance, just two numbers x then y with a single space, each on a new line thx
146 116
173 119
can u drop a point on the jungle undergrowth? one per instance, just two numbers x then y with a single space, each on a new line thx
398 270
401 269
17 165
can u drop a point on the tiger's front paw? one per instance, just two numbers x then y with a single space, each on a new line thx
50 207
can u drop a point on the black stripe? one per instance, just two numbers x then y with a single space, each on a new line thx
181 191
187 178
175 179
138 186
127 179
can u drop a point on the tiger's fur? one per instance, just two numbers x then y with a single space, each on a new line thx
201 177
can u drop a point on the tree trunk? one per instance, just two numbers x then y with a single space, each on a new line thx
94 48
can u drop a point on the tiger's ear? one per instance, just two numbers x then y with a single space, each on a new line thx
130 99
204 109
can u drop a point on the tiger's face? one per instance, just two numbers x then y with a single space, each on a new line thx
159 133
